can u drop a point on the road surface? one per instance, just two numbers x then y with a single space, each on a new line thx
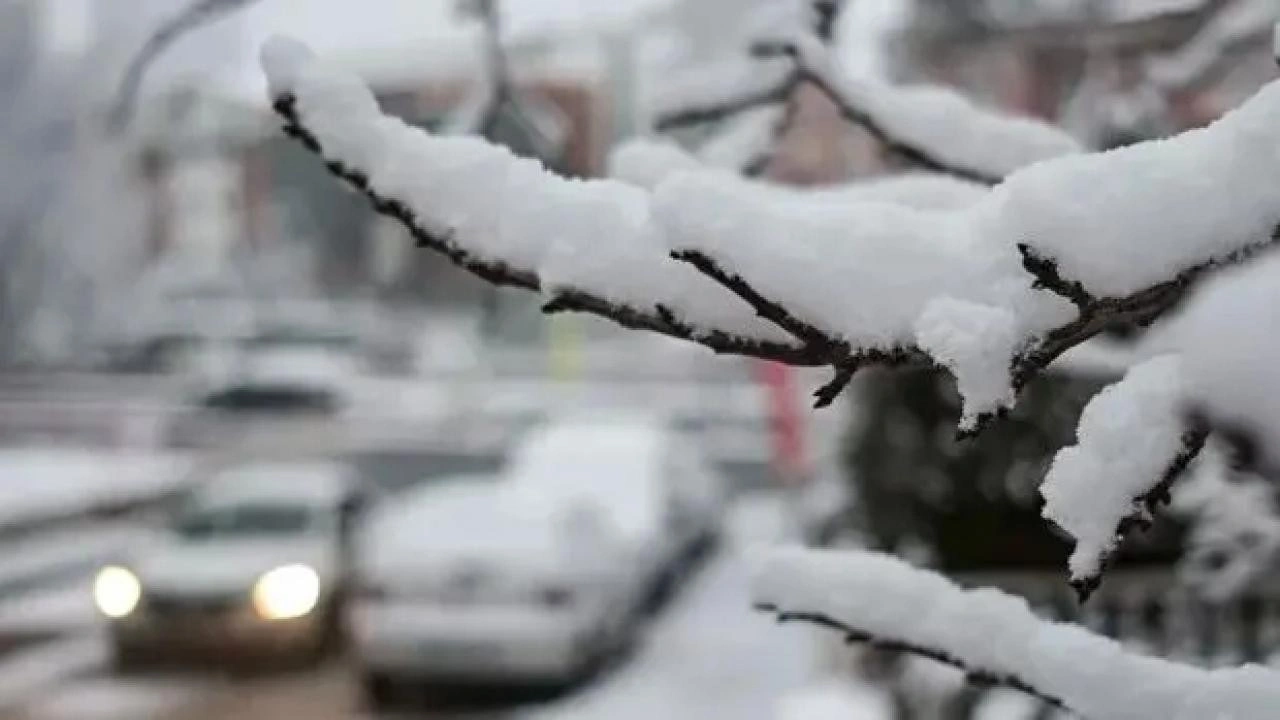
706 655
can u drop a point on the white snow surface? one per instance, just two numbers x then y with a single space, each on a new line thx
878 274
594 235
974 341
1227 337
921 190
1127 437
997 633
645 162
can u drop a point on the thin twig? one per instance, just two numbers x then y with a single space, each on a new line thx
768 309
905 149
855 635
714 112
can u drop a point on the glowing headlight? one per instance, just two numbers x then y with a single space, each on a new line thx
116 592
286 592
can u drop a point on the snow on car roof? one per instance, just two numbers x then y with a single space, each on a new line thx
307 482
581 439
609 463
468 513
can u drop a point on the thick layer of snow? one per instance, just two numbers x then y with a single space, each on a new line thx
1122 220
462 519
914 189
974 341
592 235
645 162
1127 438
870 271
1227 337
997 633
610 464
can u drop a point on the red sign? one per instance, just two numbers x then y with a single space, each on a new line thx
787 420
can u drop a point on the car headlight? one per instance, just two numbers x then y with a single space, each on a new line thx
286 593
116 592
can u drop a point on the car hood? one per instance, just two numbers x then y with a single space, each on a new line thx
223 566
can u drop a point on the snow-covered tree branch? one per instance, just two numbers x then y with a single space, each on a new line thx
1019 247
997 640
929 127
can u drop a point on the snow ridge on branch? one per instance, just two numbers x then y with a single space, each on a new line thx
930 127
996 639
878 281
993 286
661 319
1133 441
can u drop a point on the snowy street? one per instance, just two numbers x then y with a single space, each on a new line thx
707 653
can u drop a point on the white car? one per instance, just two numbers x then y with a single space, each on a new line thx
286 367
666 497
256 561
474 581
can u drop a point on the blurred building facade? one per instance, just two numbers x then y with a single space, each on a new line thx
224 179
1110 71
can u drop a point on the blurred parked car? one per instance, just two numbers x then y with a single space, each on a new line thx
665 491
469 581
257 561
283 368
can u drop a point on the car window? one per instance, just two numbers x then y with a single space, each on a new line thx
201 523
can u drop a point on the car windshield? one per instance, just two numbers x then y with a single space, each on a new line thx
243 520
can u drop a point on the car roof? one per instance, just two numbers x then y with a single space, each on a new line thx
317 483
468 514
632 439
612 463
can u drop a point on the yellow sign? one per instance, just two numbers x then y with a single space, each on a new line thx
565 347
